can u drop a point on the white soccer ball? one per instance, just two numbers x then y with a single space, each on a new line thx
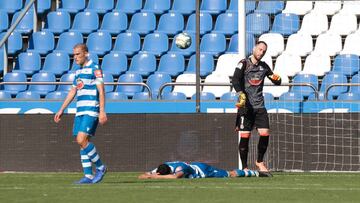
183 40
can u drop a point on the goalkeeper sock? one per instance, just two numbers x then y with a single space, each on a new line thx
243 150
262 147
86 164
93 155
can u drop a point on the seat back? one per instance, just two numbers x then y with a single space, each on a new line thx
42 77
218 91
257 23
100 6
156 43
26 24
114 63
185 7
172 64
128 43
213 43
317 64
57 63
206 64
331 49
156 80
114 22
4 21
275 42
142 23
304 78
128 7
347 64
15 77
99 42
206 23
171 23
86 22
28 95
68 40
332 78
213 6
270 7
67 77
226 23
173 96
58 21
57 95
187 90
157 6
286 24
115 96
72 6
129 90
42 42
11 6
143 63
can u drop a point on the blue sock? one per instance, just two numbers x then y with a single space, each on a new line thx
245 173
86 164
93 155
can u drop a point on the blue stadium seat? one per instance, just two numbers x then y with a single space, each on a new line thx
28 95
85 22
108 78
67 77
249 6
347 64
128 7
270 7
206 23
290 96
4 21
93 57
250 43
213 6
331 78
130 90
304 78
186 52
234 4
349 96
100 6
68 40
205 96
4 95
143 64
28 63
229 96
226 23
286 24
171 23
14 43
206 64
234 43
2 60
111 96
172 64
42 42
257 23
43 77
128 43
142 23
268 97
57 22
99 43
114 22
14 77
56 63
156 80
11 6
186 7
157 6
321 96
173 96
26 24
213 43
141 96
114 63
57 95
72 6
42 6
156 43
355 80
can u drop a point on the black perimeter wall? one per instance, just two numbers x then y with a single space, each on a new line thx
139 142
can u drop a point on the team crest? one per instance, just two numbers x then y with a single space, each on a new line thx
79 84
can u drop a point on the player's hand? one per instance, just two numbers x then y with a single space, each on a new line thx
102 118
144 176
241 100
57 116
275 77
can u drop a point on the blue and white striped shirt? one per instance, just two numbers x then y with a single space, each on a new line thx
85 81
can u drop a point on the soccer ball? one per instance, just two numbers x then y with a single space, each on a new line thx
183 40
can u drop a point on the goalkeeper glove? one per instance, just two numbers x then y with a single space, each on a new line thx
241 100
275 77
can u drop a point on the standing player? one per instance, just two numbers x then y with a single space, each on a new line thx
89 87
248 81
178 169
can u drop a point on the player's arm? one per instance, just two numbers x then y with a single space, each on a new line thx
65 104
176 175
100 87
274 78
239 84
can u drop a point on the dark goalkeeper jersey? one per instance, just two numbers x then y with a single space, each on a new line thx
249 78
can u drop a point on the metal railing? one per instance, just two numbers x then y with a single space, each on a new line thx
70 83
335 85
230 84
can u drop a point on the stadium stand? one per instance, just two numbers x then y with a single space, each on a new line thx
4 21
4 95
72 6
206 23
206 64
213 6
100 6
171 23
68 40
99 43
275 42
14 77
57 63
269 7
85 22
129 7
110 96
114 63
67 77
156 43
11 6
172 64
56 95
14 43
205 96
58 22
42 42
42 90
173 96
156 80
28 63
28 95
129 90
298 7
186 7
114 22
143 63
286 24
142 23
157 6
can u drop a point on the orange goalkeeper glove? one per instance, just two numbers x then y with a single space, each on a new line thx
241 100
275 77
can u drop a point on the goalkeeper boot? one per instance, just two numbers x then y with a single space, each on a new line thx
100 173
265 174
84 180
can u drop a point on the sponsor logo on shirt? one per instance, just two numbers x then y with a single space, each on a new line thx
79 84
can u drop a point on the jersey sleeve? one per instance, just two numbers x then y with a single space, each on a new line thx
269 72
98 75
238 77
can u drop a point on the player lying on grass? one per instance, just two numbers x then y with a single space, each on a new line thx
178 169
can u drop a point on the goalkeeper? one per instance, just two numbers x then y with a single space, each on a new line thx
248 81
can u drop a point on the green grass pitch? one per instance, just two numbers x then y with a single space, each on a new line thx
125 187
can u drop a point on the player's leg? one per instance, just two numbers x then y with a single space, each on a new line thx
243 173
262 124
246 125
84 158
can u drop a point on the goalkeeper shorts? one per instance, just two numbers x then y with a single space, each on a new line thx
254 118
